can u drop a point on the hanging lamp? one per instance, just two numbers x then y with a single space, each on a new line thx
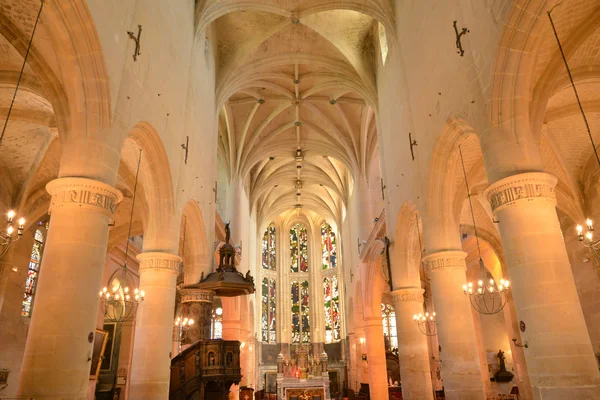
485 295
8 235
425 321
121 301
588 240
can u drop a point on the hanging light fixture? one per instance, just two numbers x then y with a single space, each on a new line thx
589 240
121 301
8 235
486 296
182 326
426 323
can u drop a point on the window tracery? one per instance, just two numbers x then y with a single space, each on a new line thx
216 325
269 332
300 312
332 309
268 285
328 247
268 249
298 249
389 326
32 274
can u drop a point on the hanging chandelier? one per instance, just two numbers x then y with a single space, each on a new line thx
182 326
426 323
8 235
588 240
486 296
121 301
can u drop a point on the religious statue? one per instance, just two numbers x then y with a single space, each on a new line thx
227 232
502 375
501 360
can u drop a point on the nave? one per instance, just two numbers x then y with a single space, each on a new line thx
299 199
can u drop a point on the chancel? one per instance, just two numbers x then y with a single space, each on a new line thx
299 199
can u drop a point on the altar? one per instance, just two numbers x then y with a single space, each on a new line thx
303 377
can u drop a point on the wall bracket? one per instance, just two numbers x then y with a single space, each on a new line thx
185 147
458 36
412 143
137 42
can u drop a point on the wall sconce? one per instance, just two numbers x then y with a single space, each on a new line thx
242 345
362 340
521 345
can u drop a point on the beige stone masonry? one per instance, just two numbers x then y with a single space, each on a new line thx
56 362
85 193
150 370
531 186
413 352
460 365
560 358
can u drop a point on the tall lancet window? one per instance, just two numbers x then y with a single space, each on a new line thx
389 326
300 310
268 310
268 249
299 288
268 299
332 309
298 249
32 274
328 247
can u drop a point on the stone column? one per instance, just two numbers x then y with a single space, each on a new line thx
413 352
378 384
59 344
461 371
560 358
231 329
150 369
197 304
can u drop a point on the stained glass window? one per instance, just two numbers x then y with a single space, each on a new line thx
268 249
328 247
268 311
300 312
389 326
298 249
332 309
216 326
32 274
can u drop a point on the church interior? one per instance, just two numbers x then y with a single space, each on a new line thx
185 182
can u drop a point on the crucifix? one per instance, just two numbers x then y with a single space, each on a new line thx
458 35
137 42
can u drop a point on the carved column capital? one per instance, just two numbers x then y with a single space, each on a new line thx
412 294
83 193
157 261
452 259
527 187
195 295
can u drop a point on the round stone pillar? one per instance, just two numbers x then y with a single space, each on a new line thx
56 363
560 358
150 369
413 352
460 366
378 383
197 304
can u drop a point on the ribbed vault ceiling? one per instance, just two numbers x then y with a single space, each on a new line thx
296 97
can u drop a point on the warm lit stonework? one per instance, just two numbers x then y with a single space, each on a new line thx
299 199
